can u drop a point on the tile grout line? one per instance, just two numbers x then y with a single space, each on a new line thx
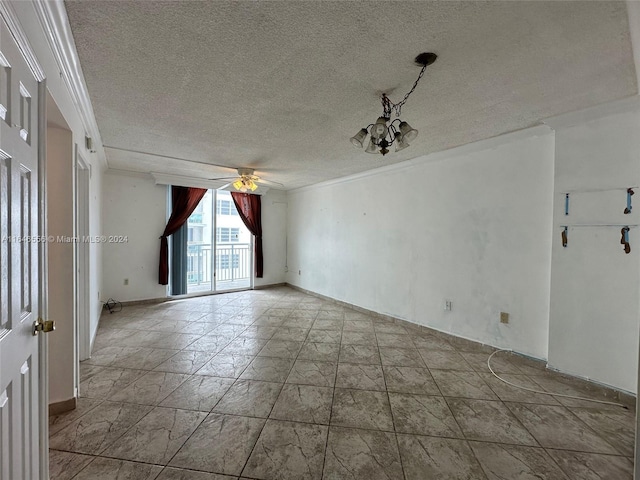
219 400
153 407
333 397
393 420
465 438
272 406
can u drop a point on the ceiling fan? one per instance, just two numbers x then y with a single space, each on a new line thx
247 181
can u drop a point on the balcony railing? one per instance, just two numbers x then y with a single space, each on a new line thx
232 263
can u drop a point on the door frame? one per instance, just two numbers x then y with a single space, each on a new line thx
214 249
81 256
43 287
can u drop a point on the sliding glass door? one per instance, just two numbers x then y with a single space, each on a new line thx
233 252
219 249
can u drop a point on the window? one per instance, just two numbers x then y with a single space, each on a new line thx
227 235
224 261
224 207
218 254
195 233
197 215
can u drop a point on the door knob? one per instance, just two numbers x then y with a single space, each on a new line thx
44 326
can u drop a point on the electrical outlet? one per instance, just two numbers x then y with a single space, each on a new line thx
126 281
448 305
504 317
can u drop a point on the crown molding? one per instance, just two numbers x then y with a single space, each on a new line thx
633 14
469 148
185 181
128 173
625 105
15 28
53 19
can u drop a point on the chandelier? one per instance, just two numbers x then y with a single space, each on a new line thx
384 132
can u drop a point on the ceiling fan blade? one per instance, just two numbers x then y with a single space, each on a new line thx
223 178
269 182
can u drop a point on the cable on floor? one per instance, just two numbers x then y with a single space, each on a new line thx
546 393
113 306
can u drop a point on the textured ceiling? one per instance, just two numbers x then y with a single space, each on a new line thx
281 86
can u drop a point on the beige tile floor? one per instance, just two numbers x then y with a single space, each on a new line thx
276 384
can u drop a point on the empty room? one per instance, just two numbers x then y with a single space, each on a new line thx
319 240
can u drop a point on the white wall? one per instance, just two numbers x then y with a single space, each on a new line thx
60 266
595 286
95 249
274 232
471 225
633 11
135 207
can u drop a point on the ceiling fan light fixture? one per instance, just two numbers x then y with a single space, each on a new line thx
247 180
243 184
358 138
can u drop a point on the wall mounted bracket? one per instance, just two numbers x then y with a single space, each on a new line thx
630 192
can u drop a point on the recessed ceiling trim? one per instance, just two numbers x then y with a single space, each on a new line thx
184 181
593 113
128 173
159 155
633 13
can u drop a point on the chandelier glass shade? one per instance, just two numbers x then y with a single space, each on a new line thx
243 184
384 132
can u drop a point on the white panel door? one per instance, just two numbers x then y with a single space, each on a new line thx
19 413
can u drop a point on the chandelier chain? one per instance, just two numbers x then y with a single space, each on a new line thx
388 105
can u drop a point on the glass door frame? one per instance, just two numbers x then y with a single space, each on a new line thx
214 255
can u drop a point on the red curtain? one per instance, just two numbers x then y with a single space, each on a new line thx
184 201
249 209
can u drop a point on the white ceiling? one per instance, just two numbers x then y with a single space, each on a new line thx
280 86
